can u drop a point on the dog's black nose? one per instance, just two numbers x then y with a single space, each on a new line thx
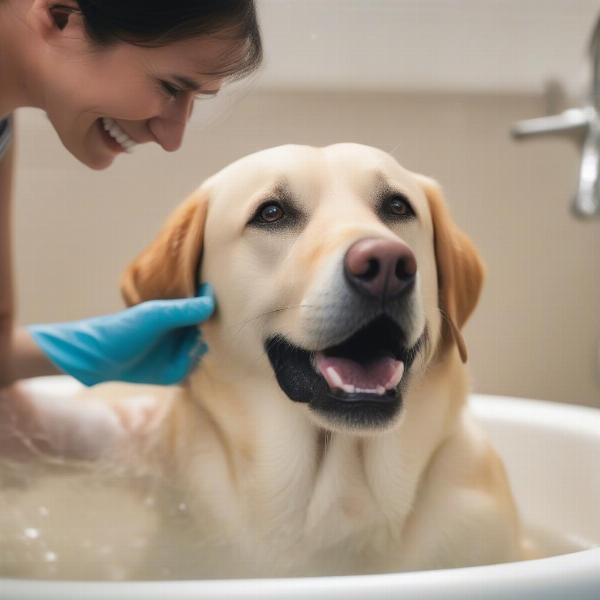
380 268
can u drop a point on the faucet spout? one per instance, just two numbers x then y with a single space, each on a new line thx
595 58
587 198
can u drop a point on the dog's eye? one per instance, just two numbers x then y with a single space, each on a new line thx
397 206
271 212
276 214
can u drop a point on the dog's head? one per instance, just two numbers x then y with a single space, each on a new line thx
339 277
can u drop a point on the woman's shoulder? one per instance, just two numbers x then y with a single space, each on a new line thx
5 134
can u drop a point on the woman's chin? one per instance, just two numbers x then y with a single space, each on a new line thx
95 160
100 165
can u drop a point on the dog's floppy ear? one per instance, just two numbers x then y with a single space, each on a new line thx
168 267
459 267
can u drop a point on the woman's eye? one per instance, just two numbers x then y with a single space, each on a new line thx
171 90
270 213
398 206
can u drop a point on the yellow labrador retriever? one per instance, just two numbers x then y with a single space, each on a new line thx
325 432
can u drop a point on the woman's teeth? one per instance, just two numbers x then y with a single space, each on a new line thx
118 134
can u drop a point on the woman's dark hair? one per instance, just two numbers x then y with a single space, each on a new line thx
155 23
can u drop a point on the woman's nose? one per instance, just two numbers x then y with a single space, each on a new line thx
168 127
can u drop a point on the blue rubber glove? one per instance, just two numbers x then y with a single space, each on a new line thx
155 342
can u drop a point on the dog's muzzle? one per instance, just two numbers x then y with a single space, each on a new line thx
358 383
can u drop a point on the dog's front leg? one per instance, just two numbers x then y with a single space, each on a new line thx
465 514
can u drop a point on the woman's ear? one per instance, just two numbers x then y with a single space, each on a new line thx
169 266
460 269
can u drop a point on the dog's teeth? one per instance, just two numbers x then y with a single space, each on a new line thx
336 380
396 377
379 390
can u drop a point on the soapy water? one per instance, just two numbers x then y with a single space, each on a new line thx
83 522
72 507
96 519
87 524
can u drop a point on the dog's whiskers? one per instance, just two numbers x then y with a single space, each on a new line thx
264 315
446 318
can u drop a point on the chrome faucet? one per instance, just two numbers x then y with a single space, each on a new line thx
582 125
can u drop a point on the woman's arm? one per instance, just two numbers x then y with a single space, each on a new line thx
19 355
156 342
27 358
6 282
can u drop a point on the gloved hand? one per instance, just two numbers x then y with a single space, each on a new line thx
155 342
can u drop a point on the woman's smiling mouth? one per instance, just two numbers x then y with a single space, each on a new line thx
115 137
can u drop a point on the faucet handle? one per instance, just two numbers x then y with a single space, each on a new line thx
574 122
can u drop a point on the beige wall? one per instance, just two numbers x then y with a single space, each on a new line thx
537 329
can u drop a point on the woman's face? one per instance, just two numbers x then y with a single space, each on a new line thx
104 100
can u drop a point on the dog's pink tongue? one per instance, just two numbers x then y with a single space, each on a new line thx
351 377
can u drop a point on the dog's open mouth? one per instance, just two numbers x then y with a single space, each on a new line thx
358 381
371 361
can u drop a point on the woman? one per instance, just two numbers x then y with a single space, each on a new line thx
111 74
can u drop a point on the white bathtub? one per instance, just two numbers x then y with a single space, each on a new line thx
552 453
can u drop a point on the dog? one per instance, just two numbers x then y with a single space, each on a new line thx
326 431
